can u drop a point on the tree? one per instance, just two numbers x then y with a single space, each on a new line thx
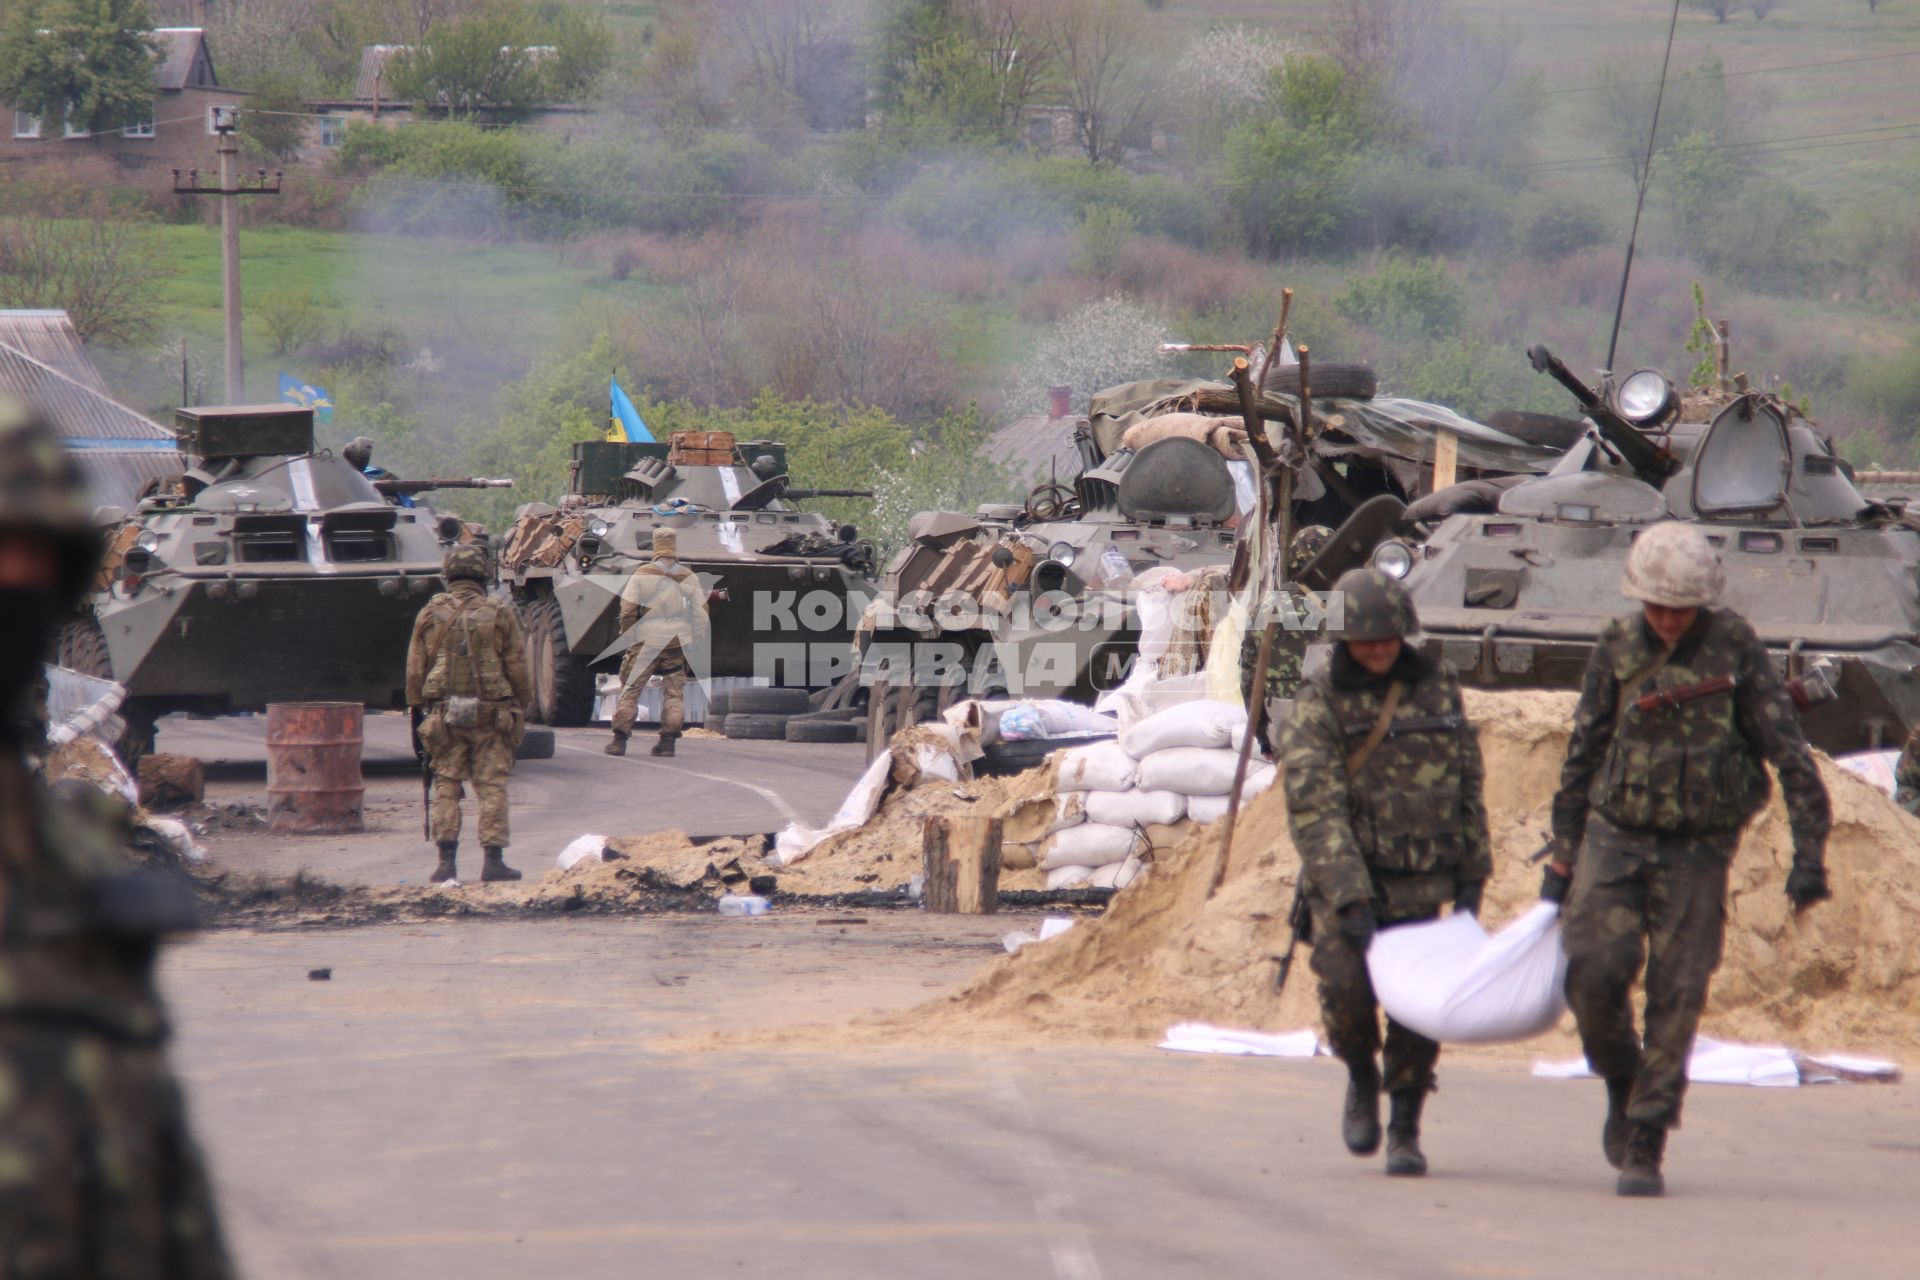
87 62
1101 51
1721 10
1224 78
1761 8
483 65
97 266
273 118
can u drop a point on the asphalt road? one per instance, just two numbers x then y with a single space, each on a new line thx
712 786
494 1100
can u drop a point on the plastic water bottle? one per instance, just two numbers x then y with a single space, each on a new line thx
743 904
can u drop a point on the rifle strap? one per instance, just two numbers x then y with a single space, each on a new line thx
1633 683
1358 760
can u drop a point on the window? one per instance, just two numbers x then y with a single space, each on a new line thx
25 126
140 128
333 131
69 129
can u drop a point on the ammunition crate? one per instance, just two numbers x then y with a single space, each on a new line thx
244 430
700 448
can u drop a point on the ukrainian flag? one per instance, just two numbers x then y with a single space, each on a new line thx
623 420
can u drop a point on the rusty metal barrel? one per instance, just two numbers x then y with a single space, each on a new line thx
314 785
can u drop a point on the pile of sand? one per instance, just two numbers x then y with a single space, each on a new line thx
1846 975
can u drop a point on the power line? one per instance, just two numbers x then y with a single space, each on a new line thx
1725 75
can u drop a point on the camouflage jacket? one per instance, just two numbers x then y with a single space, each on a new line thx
1906 774
1694 770
58 853
668 605
1289 653
1411 825
466 644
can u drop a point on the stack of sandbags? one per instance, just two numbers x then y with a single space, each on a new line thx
1116 802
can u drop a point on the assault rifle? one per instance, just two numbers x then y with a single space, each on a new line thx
1300 924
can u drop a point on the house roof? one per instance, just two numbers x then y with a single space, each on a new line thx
50 338
115 477
185 60
118 450
1037 448
371 82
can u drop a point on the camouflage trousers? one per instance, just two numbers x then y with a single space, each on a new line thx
1631 907
1352 1015
482 755
99 1175
671 666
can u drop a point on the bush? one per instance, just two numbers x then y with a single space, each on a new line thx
291 317
1475 378
1424 208
987 199
1563 228
1406 298
1104 237
1888 386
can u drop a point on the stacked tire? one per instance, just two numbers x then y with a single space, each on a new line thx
760 714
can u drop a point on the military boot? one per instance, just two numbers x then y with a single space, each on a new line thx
1613 1138
1360 1123
495 867
1640 1171
1403 1134
445 871
618 746
664 747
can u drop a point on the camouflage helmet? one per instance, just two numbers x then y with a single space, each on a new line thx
1376 607
468 560
1673 564
665 543
42 491
1306 544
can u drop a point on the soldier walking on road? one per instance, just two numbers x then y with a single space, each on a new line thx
467 667
664 610
1680 710
1383 777
99 1173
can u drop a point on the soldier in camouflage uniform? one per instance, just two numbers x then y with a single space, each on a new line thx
664 610
467 668
99 1174
1680 711
1906 774
1289 643
1383 776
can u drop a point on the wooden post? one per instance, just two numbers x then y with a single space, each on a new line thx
962 865
877 694
903 704
1446 459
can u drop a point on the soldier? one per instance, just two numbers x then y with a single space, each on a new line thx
102 1175
1906 774
1680 708
664 598
358 454
1383 777
1289 643
467 668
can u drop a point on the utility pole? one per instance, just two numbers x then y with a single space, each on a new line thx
224 119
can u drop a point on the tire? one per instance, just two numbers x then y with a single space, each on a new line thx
83 648
562 685
537 745
821 731
1330 381
844 715
758 728
1545 429
999 759
717 707
756 701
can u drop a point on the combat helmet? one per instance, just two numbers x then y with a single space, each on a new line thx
357 452
1376 607
1672 564
1306 544
665 543
41 490
468 560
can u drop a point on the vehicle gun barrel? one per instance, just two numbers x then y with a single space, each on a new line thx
827 493
1650 461
391 486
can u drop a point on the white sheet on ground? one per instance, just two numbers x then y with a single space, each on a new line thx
582 849
1202 1037
1766 1066
1453 982
796 842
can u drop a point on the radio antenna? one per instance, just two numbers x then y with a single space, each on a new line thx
1646 180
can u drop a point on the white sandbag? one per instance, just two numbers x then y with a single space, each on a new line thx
1091 844
1192 771
582 849
1103 766
795 841
1068 877
1115 875
1189 724
1135 808
1206 808
1452 982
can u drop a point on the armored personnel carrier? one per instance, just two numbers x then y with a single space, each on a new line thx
1514 586
266 572
785 586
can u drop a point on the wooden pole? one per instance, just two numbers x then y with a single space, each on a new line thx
1279 336
877 694
962 865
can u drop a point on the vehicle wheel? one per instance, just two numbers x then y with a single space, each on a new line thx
745 725
1545 429
821 731
1330 381
754 700
562 684
83 648
537 745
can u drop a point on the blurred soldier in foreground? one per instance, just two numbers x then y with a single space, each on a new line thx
467 668
1383 777
664 598
1680 711
99 1175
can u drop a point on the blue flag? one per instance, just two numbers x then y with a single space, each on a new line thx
307 396
623 420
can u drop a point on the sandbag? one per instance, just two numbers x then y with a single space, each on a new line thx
1189 724
1091 844
1224 435
1192 771
1135 808
1115 875
1167 836
1040 817
1068 877
1103 766
1260 776
1019 855
1452 982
